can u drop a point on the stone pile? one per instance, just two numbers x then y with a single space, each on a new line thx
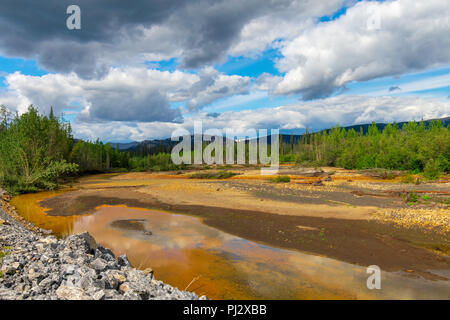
37 266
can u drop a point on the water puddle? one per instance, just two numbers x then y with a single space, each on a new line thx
186 253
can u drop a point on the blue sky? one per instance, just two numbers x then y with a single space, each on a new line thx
24 66
265 63
301 56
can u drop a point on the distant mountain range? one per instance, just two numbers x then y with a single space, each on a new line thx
165 145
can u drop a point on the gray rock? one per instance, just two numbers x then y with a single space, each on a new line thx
99 264
114 279
12 268
35 275
90 242
86 282
71 293
73 280
70 269
47 283
105 253
42 267
99 295
123 261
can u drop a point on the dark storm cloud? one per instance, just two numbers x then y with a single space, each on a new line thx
213 28
37 29
35 21
202 30
115 106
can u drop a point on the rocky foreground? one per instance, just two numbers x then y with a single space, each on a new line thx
41 267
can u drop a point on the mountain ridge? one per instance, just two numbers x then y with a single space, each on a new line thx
164 145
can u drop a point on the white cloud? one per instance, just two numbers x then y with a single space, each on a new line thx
314 115
213 86
124 94
197 32
430 83
285 21
413 35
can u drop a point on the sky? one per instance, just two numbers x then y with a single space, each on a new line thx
144 70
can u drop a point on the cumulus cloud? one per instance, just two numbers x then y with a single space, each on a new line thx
314 115
411 35
100 74
129 94
199 32
212 86
286 20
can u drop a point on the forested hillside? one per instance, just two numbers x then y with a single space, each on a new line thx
38 152
415 147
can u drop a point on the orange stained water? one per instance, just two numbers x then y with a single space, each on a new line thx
28 207
190 255
183 251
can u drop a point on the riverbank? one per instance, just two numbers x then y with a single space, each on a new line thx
37 266
223 237
344 218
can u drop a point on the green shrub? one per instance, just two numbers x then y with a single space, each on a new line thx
407 178
412 197
290 157
281 179
432 170
213 175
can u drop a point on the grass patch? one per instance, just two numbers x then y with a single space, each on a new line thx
213 175
281 179
2 254
413 197
225 166
407 178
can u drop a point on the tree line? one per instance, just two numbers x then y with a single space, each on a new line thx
415 147
38 152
